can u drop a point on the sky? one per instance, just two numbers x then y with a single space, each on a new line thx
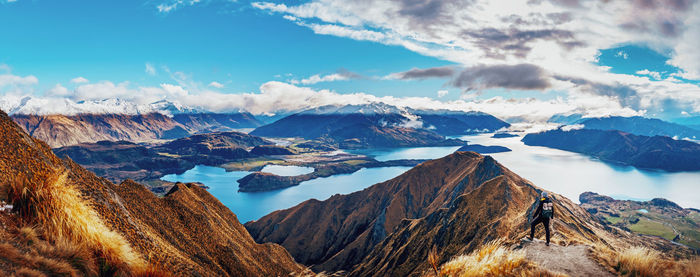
518 60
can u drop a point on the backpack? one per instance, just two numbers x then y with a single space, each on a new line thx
548 209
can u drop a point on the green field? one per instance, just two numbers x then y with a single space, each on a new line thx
654 228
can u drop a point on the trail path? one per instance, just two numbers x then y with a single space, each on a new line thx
572 260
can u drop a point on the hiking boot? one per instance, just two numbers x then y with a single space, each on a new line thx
546 243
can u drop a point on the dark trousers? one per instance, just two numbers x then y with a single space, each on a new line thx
540 219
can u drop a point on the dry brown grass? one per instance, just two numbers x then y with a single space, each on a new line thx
66 216
492 259
642 261
433 260
29 253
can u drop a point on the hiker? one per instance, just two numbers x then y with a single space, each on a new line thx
543 213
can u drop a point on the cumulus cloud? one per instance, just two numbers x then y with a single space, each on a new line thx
14 80
562 36
79 80
216 85
275 97
442 93
341 75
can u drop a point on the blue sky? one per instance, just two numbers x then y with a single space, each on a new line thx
229 43
515 60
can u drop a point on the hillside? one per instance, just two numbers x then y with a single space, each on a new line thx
62 130
658 217
121 160
641 126
115 230
454 123
216 122
212 148
657 152
456 203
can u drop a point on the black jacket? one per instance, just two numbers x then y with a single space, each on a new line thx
544 203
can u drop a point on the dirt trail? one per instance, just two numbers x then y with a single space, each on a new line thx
572 260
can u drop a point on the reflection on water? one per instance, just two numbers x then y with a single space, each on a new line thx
571 174
252 206
287 170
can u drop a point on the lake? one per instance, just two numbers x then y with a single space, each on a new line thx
251 206
571 174
562 172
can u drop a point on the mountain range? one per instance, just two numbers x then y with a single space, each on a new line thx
380 125
62 130
657 152
635 125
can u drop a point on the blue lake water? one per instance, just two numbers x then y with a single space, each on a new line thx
562 172
252 206
287 170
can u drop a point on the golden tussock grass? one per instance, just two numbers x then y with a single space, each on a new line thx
492 259
642 261
64 214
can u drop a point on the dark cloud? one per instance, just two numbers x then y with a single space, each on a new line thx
626 95
433 72
521 76
500 43
425 10
660 16
349 74
566 3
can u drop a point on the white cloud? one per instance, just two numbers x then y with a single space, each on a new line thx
622 54
562 37
318 78
442 93
58 90
7 80
79 80
653 74
150 69
567 128
172 5
216 85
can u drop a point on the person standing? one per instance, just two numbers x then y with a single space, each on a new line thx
543 214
